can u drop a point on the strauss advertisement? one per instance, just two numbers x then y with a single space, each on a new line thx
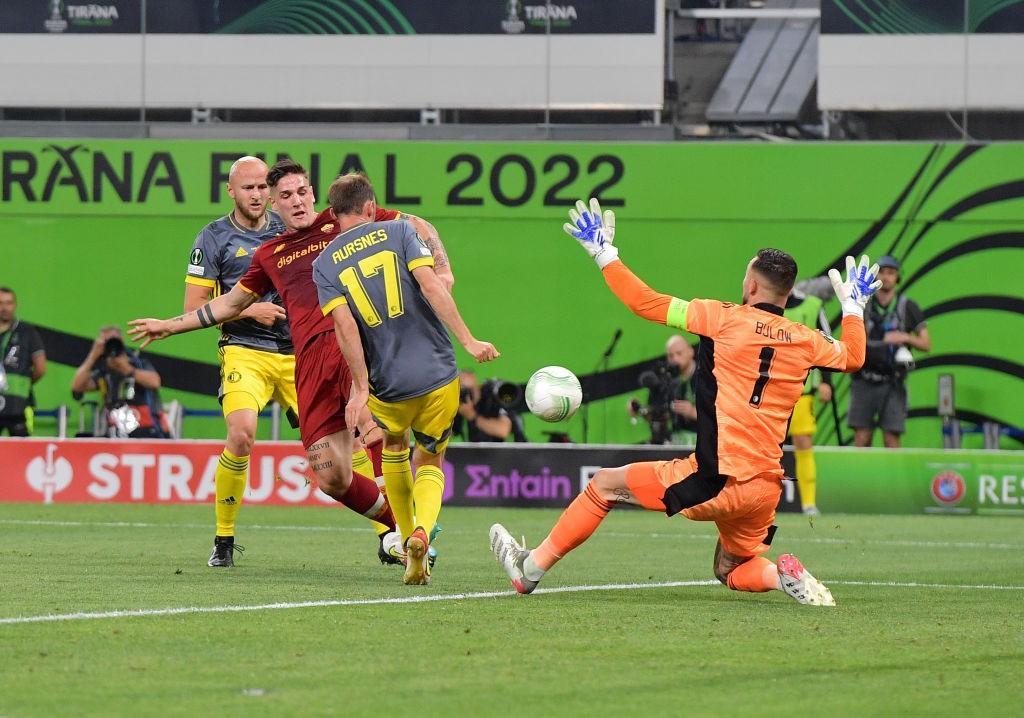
148 472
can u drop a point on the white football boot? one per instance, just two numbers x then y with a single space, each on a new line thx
510 556
798 582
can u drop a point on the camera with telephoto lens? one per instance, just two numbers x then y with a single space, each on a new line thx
661 384
499 394
113 347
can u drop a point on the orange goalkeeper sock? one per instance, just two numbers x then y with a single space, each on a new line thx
574 526
756 575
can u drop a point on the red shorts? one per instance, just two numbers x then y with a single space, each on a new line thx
322 384
743 511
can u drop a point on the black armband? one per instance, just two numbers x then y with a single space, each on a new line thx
205 315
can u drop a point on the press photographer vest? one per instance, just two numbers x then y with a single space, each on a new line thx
16 348
878 358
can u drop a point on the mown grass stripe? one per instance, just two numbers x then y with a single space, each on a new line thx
907 543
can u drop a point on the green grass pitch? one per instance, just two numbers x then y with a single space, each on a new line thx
920 627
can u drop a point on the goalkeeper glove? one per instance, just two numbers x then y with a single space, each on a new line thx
594 231
860 284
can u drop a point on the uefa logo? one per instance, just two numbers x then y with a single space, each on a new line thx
948 488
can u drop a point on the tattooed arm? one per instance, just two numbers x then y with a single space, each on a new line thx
442 266
221 309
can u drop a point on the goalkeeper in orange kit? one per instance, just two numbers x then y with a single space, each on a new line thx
751 366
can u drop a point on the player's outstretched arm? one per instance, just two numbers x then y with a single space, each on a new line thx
266 313
444 306
347 333
595 231
428 233
221 309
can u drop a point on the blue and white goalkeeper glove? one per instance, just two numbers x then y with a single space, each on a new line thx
860 284
594 231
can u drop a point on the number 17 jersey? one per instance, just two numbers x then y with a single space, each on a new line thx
369 267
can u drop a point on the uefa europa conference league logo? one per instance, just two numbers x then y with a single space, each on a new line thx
538 16
49 476
91 15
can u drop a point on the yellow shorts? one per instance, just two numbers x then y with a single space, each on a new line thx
429 416
249 379
802 423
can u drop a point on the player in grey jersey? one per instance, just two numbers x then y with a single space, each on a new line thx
256 355
377 281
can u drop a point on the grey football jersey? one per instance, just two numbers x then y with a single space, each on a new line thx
220 256
369 267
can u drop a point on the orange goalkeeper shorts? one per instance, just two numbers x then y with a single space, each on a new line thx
743 511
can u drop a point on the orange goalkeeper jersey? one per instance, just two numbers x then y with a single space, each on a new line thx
751 366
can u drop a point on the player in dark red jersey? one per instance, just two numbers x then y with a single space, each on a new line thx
321 376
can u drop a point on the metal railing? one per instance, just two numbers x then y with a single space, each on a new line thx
91 414
60 415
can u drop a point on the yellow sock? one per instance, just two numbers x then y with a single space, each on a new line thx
230 480
398 480
806 476
361 464
427 492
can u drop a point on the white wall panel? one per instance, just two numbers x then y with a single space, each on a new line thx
337 71
921 72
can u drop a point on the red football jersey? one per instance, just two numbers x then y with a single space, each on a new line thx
285 263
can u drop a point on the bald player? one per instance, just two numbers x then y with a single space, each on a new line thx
751 367
257 360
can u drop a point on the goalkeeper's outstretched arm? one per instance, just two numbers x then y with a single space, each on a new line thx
595 231
641 299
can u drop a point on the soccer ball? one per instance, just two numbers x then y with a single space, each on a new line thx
553 393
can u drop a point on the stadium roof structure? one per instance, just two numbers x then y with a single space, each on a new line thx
773 72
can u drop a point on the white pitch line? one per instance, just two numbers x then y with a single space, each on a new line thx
912 584
611 534
340 602
143 612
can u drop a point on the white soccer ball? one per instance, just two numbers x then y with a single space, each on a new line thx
553 393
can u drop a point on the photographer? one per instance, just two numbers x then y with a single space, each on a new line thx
22 364
485 412
878 392
670 408
128 384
